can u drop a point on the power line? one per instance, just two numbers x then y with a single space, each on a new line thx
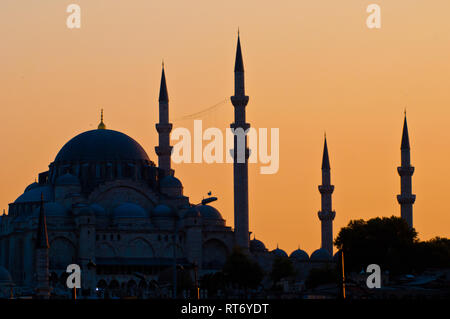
200 113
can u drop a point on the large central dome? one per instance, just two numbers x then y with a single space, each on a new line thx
101 145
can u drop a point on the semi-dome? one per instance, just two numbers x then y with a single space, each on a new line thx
31 186
163 211
52 209
336 256
320 255
209 212
34 195
257 245
129 210
192 212
67 180
85 210
299 255
98 210
101 145
170 181
279 252
5 276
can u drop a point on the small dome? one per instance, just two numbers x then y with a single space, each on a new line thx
192 212
5 276
34 195
170 181
163 211
98 210
209 212
31 186
130 210
257 245
84 210
52 209
279 253
67 180
299 255
320 255
336 256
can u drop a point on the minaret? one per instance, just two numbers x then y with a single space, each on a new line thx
326 214
164 128
41 262
406 199
240 163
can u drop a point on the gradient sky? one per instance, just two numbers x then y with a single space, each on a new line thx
311 66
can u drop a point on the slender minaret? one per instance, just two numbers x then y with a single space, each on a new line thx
41 262
406 199
164 150
240 154
326 215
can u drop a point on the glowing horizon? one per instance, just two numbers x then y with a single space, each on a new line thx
309 68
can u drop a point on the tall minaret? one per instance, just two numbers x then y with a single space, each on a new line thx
41 262
164 128
406 199
240 163
326 215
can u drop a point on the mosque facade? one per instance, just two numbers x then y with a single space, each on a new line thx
105 206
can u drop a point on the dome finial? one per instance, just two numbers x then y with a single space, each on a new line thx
102 125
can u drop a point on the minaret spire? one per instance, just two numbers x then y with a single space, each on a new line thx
163 96
405 135
164 150
238 64
406 199
325 158
41 263
240 154
326 214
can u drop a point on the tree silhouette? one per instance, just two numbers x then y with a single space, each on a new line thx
282 267
320 276
240 270
388 242
434 253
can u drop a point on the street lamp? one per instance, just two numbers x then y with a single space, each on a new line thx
197 290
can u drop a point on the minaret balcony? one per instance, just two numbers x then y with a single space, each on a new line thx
163 127
243 125
163 150
239 100
326 189
406 199
405 171
326 215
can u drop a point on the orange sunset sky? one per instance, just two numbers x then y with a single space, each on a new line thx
311 66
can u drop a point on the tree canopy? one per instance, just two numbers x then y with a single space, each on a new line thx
242 271
390 243
282 267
